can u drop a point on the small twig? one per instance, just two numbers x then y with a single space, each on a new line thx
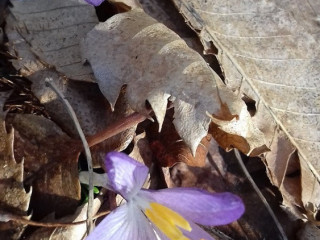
52 224
74 118
264 201
115 128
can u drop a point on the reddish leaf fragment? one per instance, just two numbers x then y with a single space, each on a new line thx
169 149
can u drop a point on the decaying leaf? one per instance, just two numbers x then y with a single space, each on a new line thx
53 30
92 109
309 232
210 177
270 51
169 149
14 198
239 133
166 13
134 49
141 150
51 161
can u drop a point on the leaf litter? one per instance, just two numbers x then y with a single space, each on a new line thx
41 68
269 51
140 42
15 199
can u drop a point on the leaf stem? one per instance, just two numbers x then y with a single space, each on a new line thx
263 199
49 82
22 220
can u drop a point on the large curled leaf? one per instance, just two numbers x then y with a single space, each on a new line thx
270 51
157 65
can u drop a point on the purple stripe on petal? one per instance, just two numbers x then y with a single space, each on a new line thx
200 206
126 175
109 227
94 2
127 222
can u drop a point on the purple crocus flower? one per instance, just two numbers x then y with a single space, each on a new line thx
168 214
94 2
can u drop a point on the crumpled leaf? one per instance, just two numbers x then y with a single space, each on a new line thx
157 66
269 50
14 198
53 30
239 133
51 162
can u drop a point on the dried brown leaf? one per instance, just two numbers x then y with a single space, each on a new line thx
309 232
241 134
169 149
51 161
144 54
92 109
52 30
269 50
141 150
14 198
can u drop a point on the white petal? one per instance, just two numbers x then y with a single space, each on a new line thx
126 223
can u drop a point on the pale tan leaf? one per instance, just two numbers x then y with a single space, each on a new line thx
240 133
53 30
157 66
270 51
92 109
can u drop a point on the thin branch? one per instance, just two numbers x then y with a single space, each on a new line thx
52 224
72 114
264 201
115 128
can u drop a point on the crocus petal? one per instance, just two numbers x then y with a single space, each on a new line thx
126 223
199 206
126 175
94 2
197 233
160 235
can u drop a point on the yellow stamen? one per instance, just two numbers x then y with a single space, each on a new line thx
167 221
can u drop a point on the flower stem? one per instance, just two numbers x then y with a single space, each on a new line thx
264 201
74 118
